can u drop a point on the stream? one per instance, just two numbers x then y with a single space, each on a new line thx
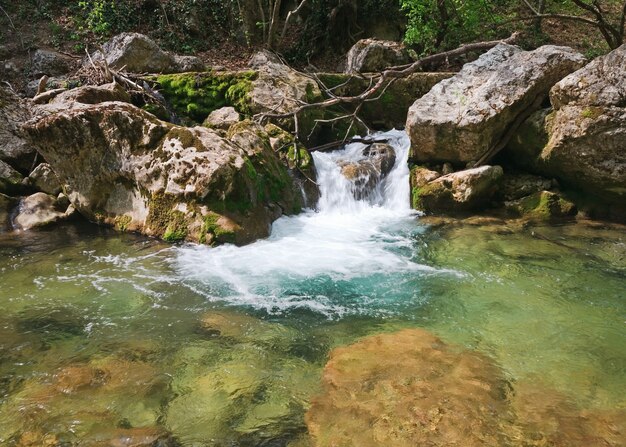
105 335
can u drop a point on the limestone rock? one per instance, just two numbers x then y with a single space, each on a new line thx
51 63
184 64
125 168
281 89
366 174
37 210
10 179
222 118
420 176
459 191
582 141
464 116
44 179
370 55
91 94
14 149
407 389
543 205
137 52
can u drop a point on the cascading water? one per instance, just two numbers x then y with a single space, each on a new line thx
334 260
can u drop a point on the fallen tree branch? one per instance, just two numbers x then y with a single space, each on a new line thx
385 77
335 144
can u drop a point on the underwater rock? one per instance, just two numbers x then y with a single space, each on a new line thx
406 389
463 117
581 142
127 169
460 191
409 388
370 55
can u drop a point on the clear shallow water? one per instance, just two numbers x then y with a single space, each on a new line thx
102 334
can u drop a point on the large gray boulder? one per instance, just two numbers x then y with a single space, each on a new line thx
51 63
139 54
125 168
14 148
582 141
461 118
466 190
370 55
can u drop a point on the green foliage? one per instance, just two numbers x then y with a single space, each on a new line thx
435 25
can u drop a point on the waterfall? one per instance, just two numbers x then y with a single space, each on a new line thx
352 236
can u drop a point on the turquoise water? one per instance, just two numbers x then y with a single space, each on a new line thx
123 311
116 339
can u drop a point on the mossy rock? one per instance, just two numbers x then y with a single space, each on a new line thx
193 96
545 205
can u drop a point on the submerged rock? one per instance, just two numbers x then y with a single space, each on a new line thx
409 388
370 55
581 142
125 168
461 118
459 191
543 205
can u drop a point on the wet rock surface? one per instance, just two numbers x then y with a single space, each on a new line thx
366 174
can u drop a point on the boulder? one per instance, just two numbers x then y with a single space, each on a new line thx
222 118
123 167
582 140
463 117
280 89
460 191
14 148
51 63
183 64
369 55
420 176
10 179
44 179
137 53
37 210
516 186
542 205
366 174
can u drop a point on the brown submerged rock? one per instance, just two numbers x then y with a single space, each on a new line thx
411 389
407 389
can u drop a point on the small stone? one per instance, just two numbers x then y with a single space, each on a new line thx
222 118
44 179
10 179
37 210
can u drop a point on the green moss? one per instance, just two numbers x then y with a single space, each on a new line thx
546 205
165 221
194 95
186 138
591 112
121 222
211 227
299 156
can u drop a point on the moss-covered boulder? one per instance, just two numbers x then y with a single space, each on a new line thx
125 168
543 205
581 141
466 190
